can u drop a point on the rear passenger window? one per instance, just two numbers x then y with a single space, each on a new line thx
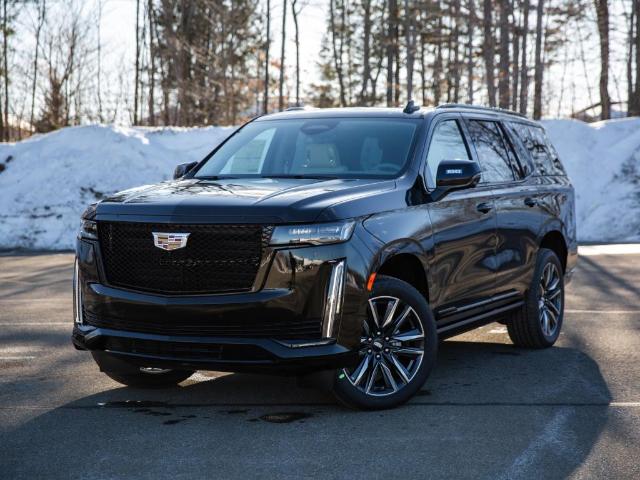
447 143
493 152
543 154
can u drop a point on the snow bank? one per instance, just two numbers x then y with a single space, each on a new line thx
603 162
49 179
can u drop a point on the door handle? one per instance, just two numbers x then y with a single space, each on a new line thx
530 202
484 207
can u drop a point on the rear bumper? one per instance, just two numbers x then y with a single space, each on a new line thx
213 353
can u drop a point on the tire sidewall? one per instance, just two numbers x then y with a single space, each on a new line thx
350 395
545 256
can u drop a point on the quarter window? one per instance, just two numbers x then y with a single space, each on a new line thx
543 154
447 143
493 153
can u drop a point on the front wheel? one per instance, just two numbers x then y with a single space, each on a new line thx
397 349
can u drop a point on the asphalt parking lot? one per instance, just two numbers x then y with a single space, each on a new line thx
489 410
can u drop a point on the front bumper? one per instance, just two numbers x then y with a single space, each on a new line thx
282 324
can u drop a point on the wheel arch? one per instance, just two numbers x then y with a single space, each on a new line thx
404 263
554 240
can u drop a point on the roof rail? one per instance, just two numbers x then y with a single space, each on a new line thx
296 108
481 108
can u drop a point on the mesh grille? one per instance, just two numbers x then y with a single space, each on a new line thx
217 258
308 328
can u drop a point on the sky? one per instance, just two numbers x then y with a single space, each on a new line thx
571 83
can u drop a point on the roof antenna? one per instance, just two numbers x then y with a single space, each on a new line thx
411 107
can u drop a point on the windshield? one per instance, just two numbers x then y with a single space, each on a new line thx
315 148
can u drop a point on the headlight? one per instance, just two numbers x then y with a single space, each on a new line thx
89 229
314 234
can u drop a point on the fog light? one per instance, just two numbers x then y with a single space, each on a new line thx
333 303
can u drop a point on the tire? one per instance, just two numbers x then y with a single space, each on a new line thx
391 370
140 377
528 326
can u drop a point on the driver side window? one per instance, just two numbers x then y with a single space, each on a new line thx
447 143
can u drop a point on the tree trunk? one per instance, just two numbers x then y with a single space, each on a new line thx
366 52
5 49
152 71
539 67
265 100
137 65
337 53
470 32
282 52
631 100
456 51
294 13
393 18
410 39
602 13
42 9
438 61
503 66
637 88
524 74
489 52
515 74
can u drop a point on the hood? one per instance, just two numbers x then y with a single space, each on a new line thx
247 200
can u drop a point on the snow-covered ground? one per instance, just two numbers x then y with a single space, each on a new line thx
49 179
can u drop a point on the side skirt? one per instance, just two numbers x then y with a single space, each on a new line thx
476 321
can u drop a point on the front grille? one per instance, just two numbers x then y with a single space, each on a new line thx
217 258
230 327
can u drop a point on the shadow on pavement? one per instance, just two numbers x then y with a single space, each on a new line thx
488 411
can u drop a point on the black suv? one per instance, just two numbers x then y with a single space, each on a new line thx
342 240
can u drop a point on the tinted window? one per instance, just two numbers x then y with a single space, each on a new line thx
447 143
333 147
492 150
543 154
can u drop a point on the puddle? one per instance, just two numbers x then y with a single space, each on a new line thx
284 417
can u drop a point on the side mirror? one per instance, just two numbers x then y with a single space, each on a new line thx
455 174
182 169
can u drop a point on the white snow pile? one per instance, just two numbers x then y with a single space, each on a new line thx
603 163
48 180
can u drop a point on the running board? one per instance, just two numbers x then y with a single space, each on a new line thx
472 321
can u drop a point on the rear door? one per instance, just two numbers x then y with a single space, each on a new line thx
516 200
462 268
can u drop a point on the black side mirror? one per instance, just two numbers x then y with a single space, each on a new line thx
182 169
457 174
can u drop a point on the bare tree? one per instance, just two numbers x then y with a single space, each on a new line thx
267 44
524 74
295 12
282 53
42 10
503 65
539 67
602 13
489 51
391 48
471 19
137 65
337 44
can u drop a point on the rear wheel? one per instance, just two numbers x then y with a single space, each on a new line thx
537 324
397 349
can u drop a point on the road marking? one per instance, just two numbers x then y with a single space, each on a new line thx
617 312
120 405
40 324
36 300
615 249
17 358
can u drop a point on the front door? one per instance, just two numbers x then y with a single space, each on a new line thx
462 270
